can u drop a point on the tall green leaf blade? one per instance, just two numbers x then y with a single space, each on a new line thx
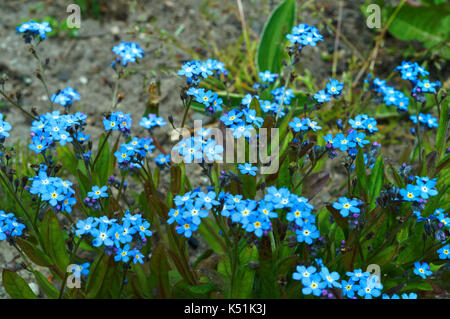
16 287
270 51
376 181
442 130
427 24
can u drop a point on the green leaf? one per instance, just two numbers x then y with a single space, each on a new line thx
376 181
57 243
34 253
442 130
210 233
45 285
183 290
266 271
16 287
159 268
102 166
361 174
427 24
271 46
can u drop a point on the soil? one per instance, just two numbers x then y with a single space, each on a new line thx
84 62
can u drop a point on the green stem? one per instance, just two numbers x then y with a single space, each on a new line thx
101 149
16 105
72 254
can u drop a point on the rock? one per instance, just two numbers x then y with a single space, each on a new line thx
35 288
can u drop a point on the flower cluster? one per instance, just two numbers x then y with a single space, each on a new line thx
5 127
194 71
118 121
242 122
152 121
404 296
319 283
303 35
211 101
54 127
364 122
413 72
9 226
131 154
190 209
57 192
80 269
282 96
34 30
424 188
304 125
333 90
123 239
93 197
199 148
66 97
426 120
390 95
127 53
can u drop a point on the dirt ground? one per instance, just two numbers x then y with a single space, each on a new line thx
83 62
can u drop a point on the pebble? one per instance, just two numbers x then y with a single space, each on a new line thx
35 288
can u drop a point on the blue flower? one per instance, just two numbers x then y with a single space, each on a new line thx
314 285
357 274
256 224
322 96
358 138
334 87
162 159
426 188
428 87
5 127
186 227
33 29
194 212
80 269
98 192
213 151
349 288
102 235
208 200
422 269
137 256
411 193
123 254
247 168
342 142
346 206
85 226
370 287
307 234
298 125
331 279
266 76
444 252
302 273
128 52
411 295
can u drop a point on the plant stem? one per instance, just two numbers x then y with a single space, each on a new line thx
16 105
